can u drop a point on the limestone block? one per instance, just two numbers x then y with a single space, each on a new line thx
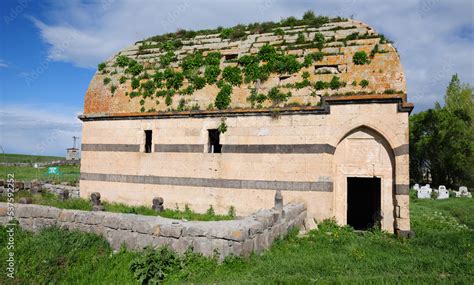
182 244
3 220
81 217
247 247
26 211
94 219
220 246
40 223
142 240
26 223
67 216
111 221
127 221
268 38
265 216
157 242
202 245
144 226
101 230
194 229
171 230
52 213
234 248
261 241
254 228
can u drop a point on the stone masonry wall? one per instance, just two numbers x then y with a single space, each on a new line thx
241 237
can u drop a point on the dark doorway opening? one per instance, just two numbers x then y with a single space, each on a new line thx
363 202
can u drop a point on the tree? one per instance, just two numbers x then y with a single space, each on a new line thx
442 139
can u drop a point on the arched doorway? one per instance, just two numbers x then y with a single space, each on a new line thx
364 180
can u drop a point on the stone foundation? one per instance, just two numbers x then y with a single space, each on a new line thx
253 233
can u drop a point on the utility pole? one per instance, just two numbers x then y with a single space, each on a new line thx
5 161
74 144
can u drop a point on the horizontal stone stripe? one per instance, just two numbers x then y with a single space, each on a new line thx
111 147
278 148
401 150
179 148
199 148
322 186
401 189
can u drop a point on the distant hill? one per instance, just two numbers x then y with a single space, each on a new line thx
13 158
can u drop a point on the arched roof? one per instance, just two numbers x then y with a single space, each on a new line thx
255 67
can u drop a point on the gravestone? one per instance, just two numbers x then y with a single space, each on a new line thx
443 193
19 185
25 200
96 204
27 185
35 189
463 192
278 200
63 194
158 204
424 192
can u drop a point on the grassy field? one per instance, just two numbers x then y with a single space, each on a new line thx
12 158
68 173
441 252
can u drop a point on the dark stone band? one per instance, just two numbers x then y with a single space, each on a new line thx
227 148
179 148
111 147
322 186
276 148
401 150
402 189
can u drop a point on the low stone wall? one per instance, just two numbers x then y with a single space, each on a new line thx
254 233
38 186
74 191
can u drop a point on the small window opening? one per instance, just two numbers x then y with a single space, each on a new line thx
326 69
148 134
230 57
283 79
214 142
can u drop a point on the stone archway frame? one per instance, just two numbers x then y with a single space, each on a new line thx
385 172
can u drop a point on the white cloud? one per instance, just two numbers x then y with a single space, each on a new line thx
426 32
3 64
38 130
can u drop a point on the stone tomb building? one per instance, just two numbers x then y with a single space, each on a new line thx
228 117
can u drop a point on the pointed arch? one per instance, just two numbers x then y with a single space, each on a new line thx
383 130
364 151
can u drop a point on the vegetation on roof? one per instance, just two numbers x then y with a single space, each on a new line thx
239 31
174 73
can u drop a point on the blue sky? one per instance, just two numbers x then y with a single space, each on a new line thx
49 50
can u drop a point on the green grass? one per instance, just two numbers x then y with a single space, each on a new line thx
49 199
69 173
441 252
12 158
